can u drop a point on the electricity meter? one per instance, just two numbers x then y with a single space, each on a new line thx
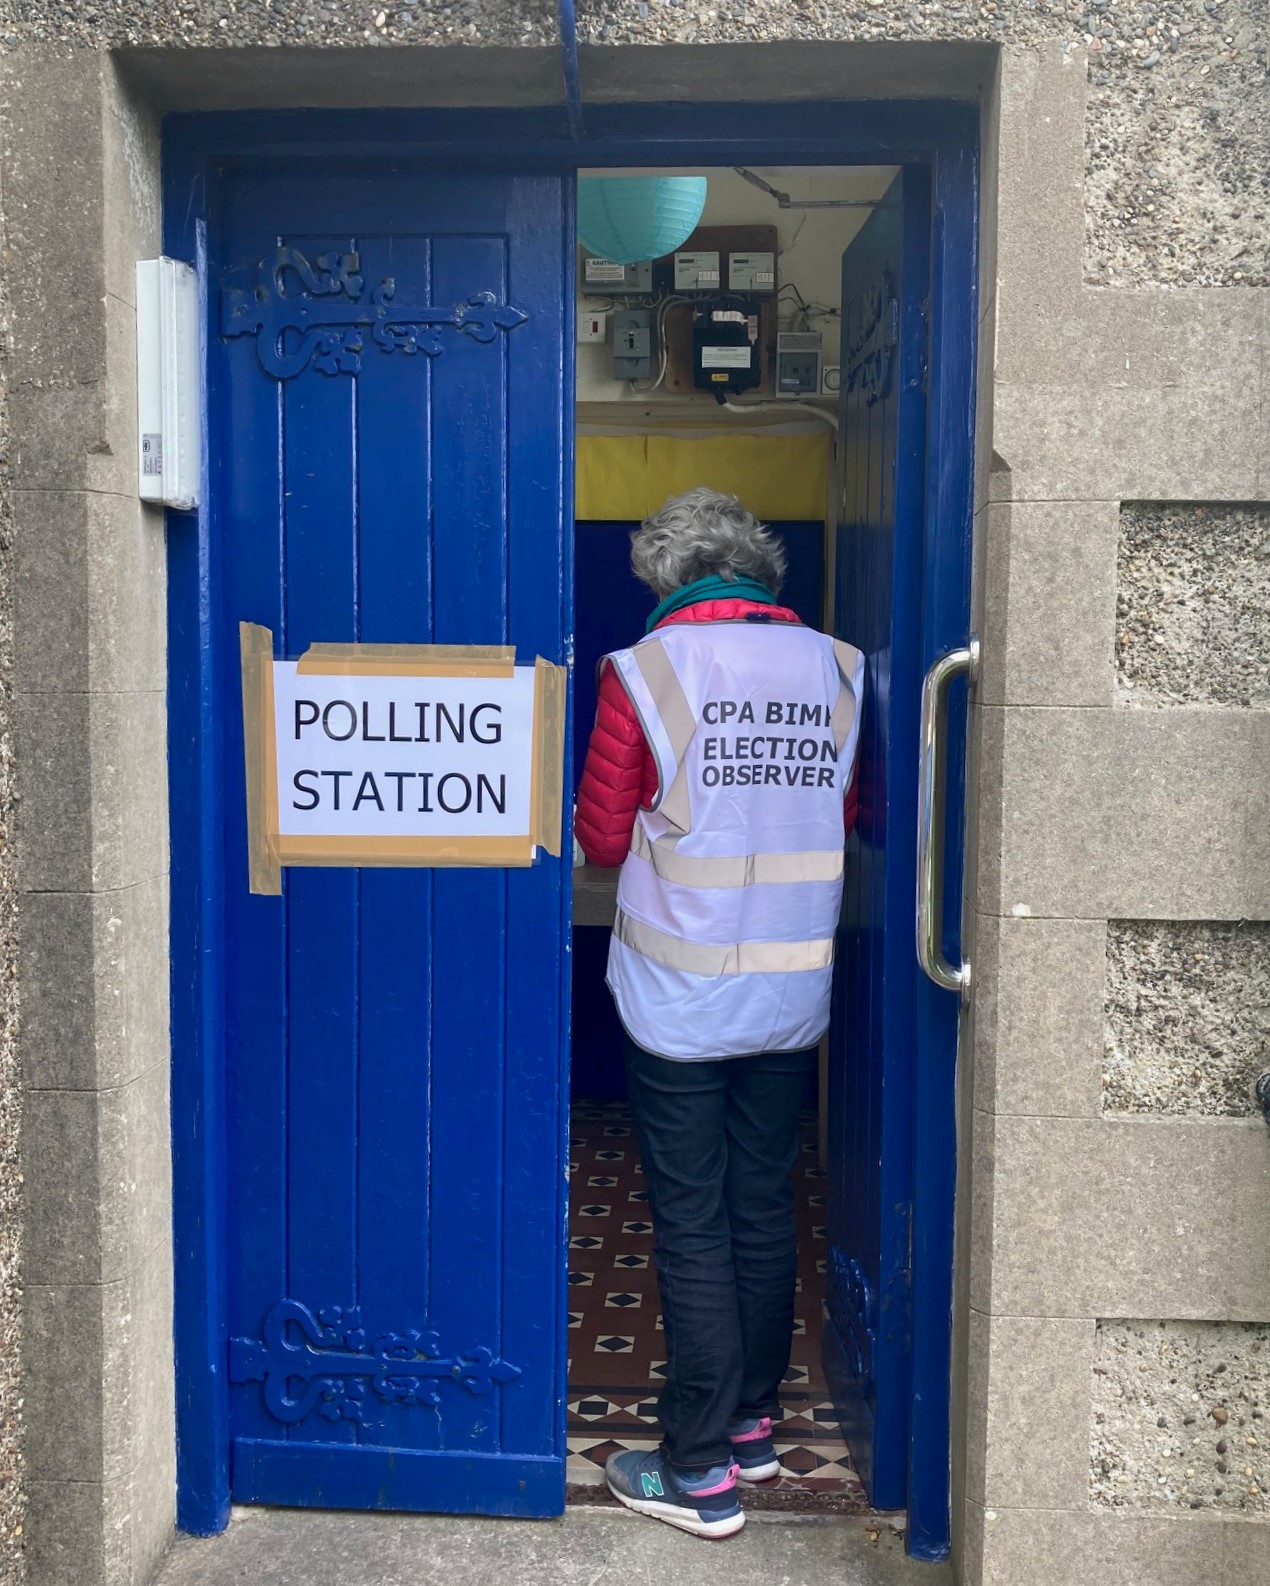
726 355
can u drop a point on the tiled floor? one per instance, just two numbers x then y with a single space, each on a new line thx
616 1343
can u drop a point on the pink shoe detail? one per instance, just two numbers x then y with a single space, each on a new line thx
763 1429
726 1485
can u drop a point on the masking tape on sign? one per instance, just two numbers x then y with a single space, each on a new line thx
264 871
546 817
408 660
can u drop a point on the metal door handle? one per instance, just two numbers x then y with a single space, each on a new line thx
930 848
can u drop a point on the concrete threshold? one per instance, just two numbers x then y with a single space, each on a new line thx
588 1547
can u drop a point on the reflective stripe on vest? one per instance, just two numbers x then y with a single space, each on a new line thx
739 870
753 729
722 958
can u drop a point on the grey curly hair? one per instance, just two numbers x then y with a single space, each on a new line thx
700 533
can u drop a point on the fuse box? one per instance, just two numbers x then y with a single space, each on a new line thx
798 363
632 344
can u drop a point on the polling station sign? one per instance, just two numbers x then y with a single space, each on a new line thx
366 754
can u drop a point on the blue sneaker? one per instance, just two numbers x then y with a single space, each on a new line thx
753 1449
703 1502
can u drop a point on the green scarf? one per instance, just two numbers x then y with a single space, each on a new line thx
712 587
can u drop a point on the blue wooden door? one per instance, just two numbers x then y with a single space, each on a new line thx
389 463
891 1136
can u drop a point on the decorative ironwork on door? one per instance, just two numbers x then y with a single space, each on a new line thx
320 312
326 1364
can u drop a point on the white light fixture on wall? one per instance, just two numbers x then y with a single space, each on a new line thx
630 218
168 385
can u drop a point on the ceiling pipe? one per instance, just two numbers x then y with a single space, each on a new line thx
569 61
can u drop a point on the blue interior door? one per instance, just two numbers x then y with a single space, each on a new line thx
891 1138
389 463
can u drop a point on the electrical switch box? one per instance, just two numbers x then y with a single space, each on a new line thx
726 355
169 425
752 272
592 324
696 272
798 363
609 279
632 344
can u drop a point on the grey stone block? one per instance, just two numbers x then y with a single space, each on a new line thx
93 783
136 1172
1040 197
51 591
94 992
1245 1552
975 1445
127 596
79 1533
138 740
64 1212
987 725
1178 1420
1130 1218
1037 1431
1158 443
63 1349
1109 814
1049 603
82 434
1062 1548
1038 1035
130 183
981 1245
55 788
52 182
153 1413
63 1023
1131 339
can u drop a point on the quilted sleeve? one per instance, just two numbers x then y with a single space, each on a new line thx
615 778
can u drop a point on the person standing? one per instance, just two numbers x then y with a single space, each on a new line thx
720 776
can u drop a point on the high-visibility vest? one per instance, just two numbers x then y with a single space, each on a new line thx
729 898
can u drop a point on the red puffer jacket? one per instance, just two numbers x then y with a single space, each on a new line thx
619 776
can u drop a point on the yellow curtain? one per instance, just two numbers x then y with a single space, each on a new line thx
627 477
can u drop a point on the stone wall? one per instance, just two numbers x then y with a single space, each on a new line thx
1181 1417
87 684
1193 590
1116 1170
12 1504
1187 1018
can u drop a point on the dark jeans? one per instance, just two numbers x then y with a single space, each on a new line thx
717 1141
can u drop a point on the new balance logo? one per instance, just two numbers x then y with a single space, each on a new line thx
651 1480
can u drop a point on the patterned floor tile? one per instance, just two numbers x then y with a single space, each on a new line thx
614 1376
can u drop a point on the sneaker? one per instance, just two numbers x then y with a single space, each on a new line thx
753 1449
703 1501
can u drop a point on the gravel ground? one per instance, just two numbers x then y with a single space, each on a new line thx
1182 1416
1187 1017
11 1506
1177 139
1192 598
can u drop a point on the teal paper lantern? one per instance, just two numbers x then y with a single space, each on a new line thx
628 218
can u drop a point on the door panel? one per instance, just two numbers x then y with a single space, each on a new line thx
878 602
394 1038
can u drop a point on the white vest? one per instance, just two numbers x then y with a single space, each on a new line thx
729 898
